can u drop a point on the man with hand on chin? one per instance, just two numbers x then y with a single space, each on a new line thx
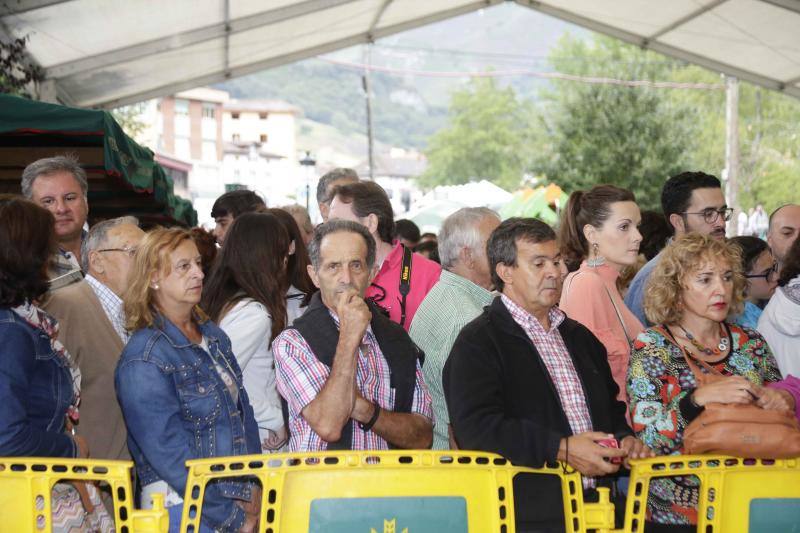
527 382
350 376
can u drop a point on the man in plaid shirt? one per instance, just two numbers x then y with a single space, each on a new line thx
367 393
527 382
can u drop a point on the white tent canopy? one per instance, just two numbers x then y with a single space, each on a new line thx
106 53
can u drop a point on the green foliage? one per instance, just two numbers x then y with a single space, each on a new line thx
17 75
129 118
632 137
330 94
485 139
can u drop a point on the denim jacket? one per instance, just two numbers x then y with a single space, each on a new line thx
35 392
177 407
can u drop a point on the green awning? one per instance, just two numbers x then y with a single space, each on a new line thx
134 179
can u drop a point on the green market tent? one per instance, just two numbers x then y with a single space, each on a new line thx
542 202
123 176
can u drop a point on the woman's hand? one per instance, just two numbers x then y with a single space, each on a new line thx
734 389
775 399
636 449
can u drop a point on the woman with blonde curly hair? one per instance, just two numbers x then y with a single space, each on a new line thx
180 388
697 283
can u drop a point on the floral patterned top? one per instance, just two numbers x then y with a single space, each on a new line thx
659 384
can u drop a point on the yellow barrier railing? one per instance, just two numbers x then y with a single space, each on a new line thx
387 491
392 491
736 495
26 484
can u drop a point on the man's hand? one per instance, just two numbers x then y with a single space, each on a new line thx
775 399
635 449
588 457
363 409
354 315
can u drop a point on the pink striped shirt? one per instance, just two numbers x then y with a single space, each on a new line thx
301 376
556 358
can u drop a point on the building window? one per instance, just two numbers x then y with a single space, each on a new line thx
182 107
209 151
235 116
262 116
236 137
263 137
208 111
183 148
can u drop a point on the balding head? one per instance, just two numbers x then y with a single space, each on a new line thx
784 227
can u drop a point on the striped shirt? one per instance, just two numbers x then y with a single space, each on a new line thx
301 376
558 362
112 305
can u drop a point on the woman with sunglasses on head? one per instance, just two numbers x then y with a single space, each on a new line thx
759 267
780 321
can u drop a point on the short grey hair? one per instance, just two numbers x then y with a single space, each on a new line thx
98 237
337 226
460 230
51 165
337 174
296 209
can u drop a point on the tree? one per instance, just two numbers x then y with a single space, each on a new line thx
485 139
17 74
632 137
129 118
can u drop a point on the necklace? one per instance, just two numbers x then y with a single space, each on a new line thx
718 350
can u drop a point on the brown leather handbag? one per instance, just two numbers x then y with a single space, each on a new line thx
739 430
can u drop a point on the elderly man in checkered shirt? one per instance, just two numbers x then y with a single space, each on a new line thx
351 378
527 382
92 327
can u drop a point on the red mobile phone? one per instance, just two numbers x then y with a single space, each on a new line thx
611 443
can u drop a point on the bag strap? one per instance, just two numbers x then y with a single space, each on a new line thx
405 282
613 303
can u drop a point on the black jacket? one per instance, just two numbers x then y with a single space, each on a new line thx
501 399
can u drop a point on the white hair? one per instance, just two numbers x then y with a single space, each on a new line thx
460 230
98 237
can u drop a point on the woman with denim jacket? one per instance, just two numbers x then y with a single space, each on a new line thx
180 388
39 383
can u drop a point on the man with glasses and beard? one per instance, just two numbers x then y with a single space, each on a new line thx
404 278
691 201
352 379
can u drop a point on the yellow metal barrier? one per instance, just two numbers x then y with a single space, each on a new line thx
390 491
736 495
26 484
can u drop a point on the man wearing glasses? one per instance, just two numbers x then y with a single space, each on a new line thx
691 201
92 328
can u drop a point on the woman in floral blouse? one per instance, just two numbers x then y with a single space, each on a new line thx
693 288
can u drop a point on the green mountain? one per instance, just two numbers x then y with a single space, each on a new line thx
407 107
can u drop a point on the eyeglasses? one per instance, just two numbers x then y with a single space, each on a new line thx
711 215
769 275
130 251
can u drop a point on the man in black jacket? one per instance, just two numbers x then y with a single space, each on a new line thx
527 382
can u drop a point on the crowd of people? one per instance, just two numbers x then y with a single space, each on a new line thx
578 344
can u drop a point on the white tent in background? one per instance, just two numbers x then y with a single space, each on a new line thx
429 212
477 193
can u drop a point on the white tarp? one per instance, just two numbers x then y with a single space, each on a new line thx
106 53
